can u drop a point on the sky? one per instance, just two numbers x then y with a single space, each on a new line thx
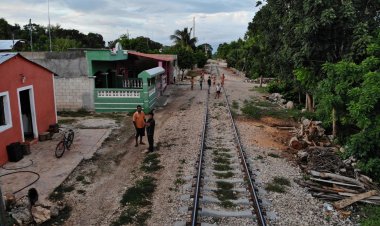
216 21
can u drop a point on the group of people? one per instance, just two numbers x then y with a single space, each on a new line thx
147 123
211 79
142 123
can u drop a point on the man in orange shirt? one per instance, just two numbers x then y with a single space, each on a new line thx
139 123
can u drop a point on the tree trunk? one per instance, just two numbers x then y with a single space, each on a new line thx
309 103
261 81
299 97
334 123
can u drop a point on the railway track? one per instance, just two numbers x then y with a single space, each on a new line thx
224 191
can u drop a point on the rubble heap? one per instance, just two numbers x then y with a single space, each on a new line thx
328 176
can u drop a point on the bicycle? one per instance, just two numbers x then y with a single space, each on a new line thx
65 143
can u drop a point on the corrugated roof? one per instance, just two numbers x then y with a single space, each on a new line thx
162 57
6 56
8 44
155 71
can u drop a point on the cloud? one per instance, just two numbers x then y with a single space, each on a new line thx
216 21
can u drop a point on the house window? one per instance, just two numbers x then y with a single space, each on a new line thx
5 112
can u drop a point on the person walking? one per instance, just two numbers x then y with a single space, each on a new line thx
139 123
218 89
223 77
201 82
150 124
209 84
192 83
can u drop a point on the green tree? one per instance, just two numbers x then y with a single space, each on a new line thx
63 44
200 58
183 38
206 48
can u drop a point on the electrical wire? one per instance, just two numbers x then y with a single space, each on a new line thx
23 171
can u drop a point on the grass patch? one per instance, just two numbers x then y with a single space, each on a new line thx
278 185
67 121
179 181
370 215
132 216
182 161
281 181
223 150
224 175
221 104
80 178
275 188
227 204
63 215
222 167
259 157
259 89
59 192
222 154
221 160
273 155
235 104
82 192
80 113
258 109
151 163
140 194
224 185
225 193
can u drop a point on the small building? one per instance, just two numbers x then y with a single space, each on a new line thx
104 80
27 101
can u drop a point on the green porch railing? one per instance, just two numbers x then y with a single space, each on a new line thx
123 100
133 83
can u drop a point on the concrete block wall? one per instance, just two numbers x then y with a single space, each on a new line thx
74 93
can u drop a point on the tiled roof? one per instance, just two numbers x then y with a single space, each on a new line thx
162 57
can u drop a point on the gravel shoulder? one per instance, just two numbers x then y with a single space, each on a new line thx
266 147
178 142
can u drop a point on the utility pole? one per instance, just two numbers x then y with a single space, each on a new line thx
49 25
31 35
3 218
193 27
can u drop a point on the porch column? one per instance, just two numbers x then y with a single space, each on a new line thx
145 95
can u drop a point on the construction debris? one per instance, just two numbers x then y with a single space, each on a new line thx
328 176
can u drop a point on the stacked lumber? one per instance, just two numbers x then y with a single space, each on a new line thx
331 179
343 190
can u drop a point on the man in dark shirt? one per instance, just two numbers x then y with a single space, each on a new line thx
209 84
150 124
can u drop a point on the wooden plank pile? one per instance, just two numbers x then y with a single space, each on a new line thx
329 177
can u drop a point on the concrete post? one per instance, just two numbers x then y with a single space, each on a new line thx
145 95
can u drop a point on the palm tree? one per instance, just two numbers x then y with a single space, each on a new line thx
183 38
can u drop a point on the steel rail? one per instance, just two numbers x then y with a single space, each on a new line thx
255 199
194 214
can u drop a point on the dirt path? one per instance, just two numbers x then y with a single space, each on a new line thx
99 183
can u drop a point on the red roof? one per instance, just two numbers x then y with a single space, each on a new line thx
161 57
